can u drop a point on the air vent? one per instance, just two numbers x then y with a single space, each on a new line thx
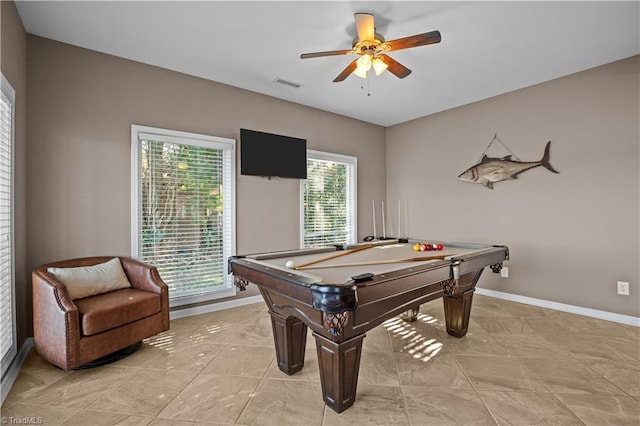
288 83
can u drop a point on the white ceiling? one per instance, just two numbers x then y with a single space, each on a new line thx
487 48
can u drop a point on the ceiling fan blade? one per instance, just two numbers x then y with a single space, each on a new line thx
415 41
327 53
395 67
365 26
345 73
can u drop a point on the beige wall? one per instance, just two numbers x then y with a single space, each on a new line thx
81 107
14 67
571 235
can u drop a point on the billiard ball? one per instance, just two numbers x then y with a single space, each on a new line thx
416 247
429 247
290 264
439 246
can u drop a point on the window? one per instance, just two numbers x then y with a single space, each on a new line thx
8 343
183 200
329 200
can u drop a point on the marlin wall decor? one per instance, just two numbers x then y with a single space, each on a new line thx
490 170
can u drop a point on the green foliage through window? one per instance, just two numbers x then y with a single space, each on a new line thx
328 204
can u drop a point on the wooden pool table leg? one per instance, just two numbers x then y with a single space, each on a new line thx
339 365
411 315
457 310
290 338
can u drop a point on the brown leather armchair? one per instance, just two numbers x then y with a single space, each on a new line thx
71 333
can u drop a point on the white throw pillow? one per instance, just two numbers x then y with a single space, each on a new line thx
85 281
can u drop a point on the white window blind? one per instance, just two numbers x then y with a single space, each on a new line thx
8 343
185 210
329 200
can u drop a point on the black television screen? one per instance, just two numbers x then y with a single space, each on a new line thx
266 154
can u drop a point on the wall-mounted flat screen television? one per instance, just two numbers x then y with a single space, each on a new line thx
266 154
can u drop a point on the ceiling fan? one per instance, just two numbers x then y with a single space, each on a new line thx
370 46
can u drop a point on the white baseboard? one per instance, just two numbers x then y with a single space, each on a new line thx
579 310
181 313
14 369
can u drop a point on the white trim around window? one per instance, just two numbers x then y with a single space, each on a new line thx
9 347
323 235
188 180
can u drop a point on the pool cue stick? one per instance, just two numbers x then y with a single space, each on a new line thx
379 262
398 236
406 218
333 256
384 229
374 218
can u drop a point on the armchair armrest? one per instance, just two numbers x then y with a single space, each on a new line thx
46 282
143 276
146 277
55 319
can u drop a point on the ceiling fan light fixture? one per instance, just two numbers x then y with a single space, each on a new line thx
363 65
360 72
364 62
379 66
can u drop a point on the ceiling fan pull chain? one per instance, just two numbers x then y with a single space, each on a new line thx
368 85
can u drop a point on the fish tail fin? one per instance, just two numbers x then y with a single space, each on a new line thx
545 159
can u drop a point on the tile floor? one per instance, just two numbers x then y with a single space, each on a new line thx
518 365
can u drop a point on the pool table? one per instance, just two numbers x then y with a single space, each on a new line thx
342 292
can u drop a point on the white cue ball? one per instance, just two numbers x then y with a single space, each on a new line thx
290 264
